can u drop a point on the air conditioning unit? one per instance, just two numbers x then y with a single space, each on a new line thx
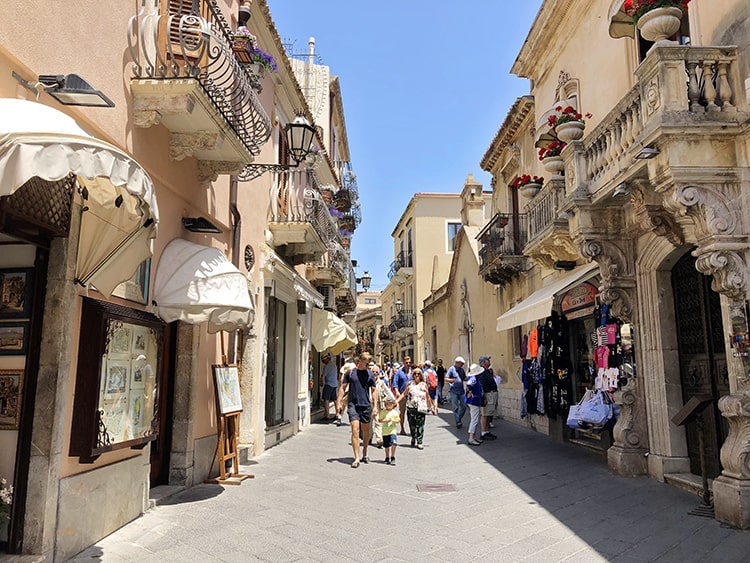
329 297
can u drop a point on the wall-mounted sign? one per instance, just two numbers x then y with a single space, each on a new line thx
579 301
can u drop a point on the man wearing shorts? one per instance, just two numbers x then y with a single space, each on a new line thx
330 379
360 382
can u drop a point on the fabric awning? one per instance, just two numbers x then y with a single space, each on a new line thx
620 24
538 305
331 333
38 140
196 283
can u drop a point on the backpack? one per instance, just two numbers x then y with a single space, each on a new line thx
432 379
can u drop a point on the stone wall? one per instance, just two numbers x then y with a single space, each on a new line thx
510 410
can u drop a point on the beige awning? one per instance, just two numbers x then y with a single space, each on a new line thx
331 333
120 214
620 24
196 284
538 305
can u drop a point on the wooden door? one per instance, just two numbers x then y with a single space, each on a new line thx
703 363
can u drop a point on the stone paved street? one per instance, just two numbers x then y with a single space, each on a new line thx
520 498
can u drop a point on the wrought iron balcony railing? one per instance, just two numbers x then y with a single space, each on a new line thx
182 40
403 260
501 247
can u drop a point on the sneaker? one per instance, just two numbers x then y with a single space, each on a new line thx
474 442
393 461
413 441
489 436
387 461
492 425
459 425
338 422
420 447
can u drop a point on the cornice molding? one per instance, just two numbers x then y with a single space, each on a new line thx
508 131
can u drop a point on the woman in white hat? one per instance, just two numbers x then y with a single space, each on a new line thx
474 402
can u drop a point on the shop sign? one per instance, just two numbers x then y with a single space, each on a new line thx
579 301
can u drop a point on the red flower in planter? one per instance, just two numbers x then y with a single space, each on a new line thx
552 149
524 179
636 8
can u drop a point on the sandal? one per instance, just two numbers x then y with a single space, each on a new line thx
365 459
355 464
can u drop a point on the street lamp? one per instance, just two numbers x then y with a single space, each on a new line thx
365 280
399 306
299 138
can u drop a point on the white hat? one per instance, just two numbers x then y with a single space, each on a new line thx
459 359
475 370
427 363
396 366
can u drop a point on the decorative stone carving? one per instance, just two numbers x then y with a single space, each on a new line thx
735 452
617 269
652 97
656 219
556 246
209 170
627 456
149 110
183 145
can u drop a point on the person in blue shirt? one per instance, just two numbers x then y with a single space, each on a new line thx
455 377
330 379
474 400
398 385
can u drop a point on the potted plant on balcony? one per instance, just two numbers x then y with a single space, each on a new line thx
528 185
657 19
346 237
242 43
342 200
335 213
567 123
550 157
261 60
327 195
347 222
314 157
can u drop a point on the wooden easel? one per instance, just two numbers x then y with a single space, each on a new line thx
226 446
226 449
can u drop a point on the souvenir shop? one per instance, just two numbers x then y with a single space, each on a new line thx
572 363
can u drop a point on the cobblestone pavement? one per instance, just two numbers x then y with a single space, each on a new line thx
523 497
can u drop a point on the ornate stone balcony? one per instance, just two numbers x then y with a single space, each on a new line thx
501 248
302 228
403 324
384 334
186 77
346 292
549 237
331 269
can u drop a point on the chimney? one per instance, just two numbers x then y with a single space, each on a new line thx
472 203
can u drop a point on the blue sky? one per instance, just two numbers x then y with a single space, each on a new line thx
425 86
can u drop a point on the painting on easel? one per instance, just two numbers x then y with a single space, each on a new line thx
227 381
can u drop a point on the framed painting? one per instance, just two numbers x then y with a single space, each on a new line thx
13 338
11 385
15 293
227 381
118 377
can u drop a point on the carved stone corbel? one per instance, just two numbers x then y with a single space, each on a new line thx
656 219
627 457
209 170
617 270
183 145
732 488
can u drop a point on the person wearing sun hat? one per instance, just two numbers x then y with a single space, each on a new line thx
474 401
455 377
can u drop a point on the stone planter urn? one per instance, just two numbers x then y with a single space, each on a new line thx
530 190
660 24
570 131
554 164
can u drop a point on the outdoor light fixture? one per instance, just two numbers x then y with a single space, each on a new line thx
565 265
399 305
622 190
647 153
366 280
68 89
299 138
200 225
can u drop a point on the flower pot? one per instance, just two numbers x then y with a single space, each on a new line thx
342 200
554 164
569 131
660 24
530 190
327 195
347 222
239 46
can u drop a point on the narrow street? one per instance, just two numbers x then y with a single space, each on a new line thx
523 497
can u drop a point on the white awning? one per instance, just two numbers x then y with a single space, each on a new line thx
196 283
331 333
538 305
38 140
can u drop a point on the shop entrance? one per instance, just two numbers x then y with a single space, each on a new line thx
275 351
703 363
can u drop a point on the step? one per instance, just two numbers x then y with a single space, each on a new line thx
159 494
688 482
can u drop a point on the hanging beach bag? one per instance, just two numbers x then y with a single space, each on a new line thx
596 411
574 416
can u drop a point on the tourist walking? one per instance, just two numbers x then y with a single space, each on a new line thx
398 385
430 378
418 404
330 380
489 397
383 393
440 370
389 419
455 377
474 401
360 384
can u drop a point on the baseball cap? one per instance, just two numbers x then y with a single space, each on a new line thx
459 359
484 359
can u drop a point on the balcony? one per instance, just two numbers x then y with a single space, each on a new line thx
331 269
501 242
687 101
302 229
402 268
402 324
346 293
186 77
384 334
548 234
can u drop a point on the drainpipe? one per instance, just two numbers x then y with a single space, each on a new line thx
236 232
